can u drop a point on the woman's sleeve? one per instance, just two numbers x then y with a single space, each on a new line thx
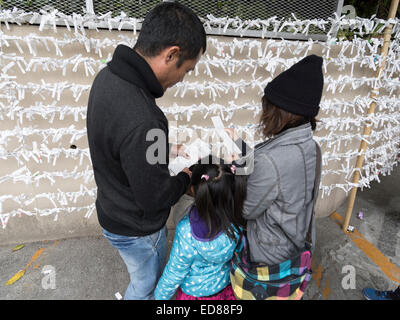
178 266
262 187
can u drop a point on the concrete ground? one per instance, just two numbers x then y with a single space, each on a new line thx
343 264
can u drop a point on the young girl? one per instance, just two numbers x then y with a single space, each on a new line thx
279 206
205 239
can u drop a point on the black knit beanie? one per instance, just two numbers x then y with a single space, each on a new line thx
299 89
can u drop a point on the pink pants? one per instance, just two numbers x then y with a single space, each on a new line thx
225 294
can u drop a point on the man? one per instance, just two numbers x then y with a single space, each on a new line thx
135 193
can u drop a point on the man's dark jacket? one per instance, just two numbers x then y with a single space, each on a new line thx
134 197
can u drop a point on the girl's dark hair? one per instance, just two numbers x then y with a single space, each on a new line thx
274 120
219 200
172 24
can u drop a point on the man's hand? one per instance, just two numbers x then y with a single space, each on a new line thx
188 172
178 150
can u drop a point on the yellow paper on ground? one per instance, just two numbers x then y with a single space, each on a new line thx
16 276
20 246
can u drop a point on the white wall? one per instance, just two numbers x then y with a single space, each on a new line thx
27 213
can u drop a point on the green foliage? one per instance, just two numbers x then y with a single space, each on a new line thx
367 8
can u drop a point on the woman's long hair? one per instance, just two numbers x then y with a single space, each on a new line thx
219 197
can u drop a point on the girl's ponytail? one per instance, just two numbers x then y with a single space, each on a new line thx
219 197
205 206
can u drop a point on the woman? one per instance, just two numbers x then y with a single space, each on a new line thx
279 205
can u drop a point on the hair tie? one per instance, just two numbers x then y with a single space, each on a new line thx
233 169
206 177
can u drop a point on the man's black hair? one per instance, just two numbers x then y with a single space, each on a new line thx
171 24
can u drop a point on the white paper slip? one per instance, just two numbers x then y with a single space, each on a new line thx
228 142
176 165
198 149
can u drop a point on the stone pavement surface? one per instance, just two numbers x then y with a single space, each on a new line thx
343 264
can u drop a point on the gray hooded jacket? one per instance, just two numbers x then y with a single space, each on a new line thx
279 202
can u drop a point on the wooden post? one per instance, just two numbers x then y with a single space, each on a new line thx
367 129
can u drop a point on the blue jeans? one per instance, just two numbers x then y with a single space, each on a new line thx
145 260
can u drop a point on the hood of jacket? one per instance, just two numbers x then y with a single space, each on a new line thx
218 249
